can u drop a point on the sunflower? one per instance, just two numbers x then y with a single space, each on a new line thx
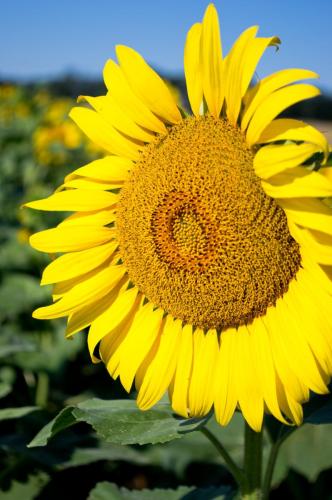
199 250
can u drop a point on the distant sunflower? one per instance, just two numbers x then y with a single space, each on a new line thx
200 249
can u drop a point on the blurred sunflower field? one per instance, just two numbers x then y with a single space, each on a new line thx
41 373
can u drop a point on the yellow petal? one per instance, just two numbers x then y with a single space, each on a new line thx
62 287
147 84
273 159
274 104
193 69
314 311
295 409
109 169
295 346
142 369
94 218
103 134
112 318
294 386
253 54
327 172
309 213
138 342
161 369
287 129
318 244
236 60
225 395
320 275
212 65
290 407
298 182
202 376
111 344
248 389
264 364
87 292
73 264
82 183
86 315
120 89
70 239
179 390
257 94
80 200
112 113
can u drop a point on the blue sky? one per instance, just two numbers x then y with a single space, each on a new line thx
39 39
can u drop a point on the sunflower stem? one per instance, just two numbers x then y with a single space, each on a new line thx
236 472
283 435
253 450
269 470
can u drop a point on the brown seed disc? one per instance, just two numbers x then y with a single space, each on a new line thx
198 235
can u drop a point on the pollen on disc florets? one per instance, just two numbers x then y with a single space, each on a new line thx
197 233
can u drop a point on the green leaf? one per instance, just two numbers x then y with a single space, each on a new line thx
121 422
174 456
84 456
177 455
11 413
28 490
5 389
62 421
318 410
110 491
308 450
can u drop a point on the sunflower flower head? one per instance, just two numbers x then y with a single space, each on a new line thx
199 248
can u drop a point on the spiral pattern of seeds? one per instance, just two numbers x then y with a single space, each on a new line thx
198 235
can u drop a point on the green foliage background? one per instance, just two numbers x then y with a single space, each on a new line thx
113 451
